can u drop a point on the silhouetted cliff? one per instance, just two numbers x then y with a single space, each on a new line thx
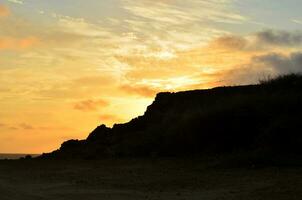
263 118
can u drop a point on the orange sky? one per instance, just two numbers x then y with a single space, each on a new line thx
66 69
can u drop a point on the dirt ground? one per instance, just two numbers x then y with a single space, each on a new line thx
123 179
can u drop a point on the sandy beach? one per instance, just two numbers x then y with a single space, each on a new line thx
145 179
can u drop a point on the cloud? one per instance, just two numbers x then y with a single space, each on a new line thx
13 128
90 105
297 21
74 89
281 63
10 43
51 128
177 12
143 91
167 26
2 125
16 1
262 66
263 40
109 118
80 26
280 38
23 126
156 45
4 11
26 126
94 80
231 42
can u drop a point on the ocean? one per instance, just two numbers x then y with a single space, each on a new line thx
14 156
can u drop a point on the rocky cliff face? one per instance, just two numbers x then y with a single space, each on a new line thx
262 118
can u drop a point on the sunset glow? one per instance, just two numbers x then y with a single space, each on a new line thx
67 66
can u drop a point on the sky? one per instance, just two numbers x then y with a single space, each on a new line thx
67 66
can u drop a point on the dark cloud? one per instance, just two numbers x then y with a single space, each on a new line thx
261 40
90 105
291 63
280 38
261 67
231 42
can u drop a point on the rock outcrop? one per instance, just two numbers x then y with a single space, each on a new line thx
263 118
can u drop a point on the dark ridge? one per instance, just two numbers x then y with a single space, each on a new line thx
262 119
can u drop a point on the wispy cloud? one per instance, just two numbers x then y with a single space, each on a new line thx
16 1
178 12
144 91
297 21
26 126
178 24
79 26
91 105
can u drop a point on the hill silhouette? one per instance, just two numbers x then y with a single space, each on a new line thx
264 119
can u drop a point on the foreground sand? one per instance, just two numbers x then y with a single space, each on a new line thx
145 179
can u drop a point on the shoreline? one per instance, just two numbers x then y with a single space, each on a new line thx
15 156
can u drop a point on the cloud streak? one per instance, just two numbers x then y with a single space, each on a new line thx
91 105
16 1
177 12
143 91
